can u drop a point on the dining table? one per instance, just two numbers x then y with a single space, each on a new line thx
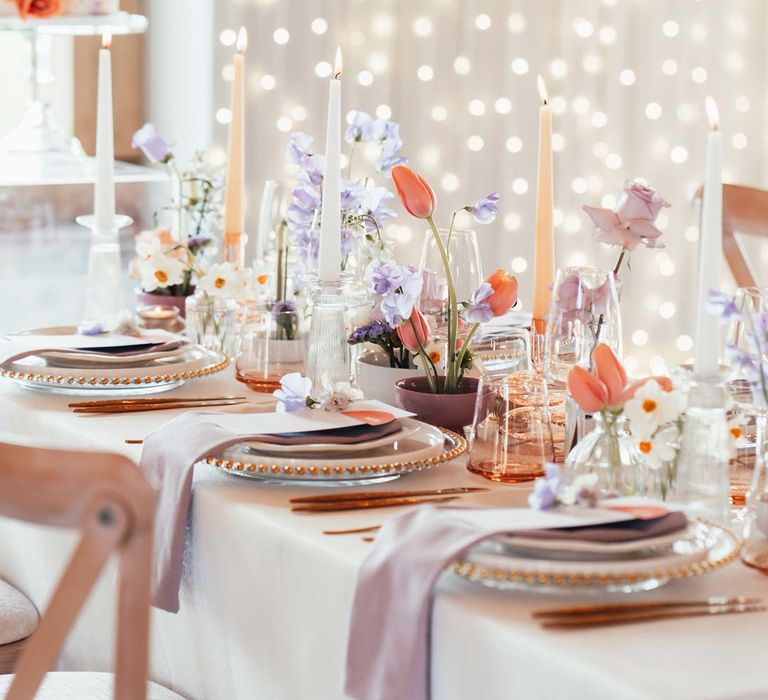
265 594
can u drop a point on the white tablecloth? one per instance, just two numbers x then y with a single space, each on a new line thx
265 598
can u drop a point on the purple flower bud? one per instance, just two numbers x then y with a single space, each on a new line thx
152 144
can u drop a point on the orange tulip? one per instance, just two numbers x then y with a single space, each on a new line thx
587 390
504 295
609 371
414 192
414 332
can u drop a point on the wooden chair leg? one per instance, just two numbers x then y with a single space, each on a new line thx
101 536
9 656
132 655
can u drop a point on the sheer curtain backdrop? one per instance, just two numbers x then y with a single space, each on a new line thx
627 81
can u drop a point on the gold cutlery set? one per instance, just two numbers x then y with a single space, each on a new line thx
334 502
582 616
106 406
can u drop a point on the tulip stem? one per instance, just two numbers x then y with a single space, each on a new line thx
465 345
426 359
450 369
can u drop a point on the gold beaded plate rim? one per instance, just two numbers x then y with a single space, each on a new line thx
485 574
219 362
454 446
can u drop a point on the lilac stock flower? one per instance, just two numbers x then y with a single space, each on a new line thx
152 144
546 488
479 310
293 392
298 147
484 211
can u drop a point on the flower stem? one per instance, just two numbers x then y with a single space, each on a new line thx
431 378
617 266
450 373
465 345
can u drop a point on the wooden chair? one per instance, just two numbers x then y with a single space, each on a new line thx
745 211
108 500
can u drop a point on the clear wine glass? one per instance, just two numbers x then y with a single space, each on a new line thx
584 312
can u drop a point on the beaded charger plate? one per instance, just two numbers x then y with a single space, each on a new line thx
419 450
62 373
703 548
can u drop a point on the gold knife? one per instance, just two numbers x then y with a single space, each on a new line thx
644 605
647 616
378 495
362 505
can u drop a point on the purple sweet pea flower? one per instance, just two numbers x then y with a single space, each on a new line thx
630 223
546 488
479 310
722 305
91 329
484 211
385 163
293 392
152 144
313 170
397 308
358 126
298 147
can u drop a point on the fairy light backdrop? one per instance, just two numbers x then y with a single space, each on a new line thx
627 81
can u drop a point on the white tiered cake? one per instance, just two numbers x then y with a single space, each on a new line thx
50 9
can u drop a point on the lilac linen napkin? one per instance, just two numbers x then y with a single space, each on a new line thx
167 460
387 648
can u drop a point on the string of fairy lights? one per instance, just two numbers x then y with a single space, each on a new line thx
627 81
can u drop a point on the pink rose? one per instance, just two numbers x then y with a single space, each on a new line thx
630 223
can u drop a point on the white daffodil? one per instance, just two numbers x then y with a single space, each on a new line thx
159 271
657 449
435 351
221 279
738 438
651 407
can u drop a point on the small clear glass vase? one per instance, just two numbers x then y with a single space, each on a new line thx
609 452
211 322
755 550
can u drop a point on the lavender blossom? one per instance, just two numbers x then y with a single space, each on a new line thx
484 211
370 332
152 144
479 310
293 394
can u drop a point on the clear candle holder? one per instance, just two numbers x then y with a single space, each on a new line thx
211 322
103 291
702 485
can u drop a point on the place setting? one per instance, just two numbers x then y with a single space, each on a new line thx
420 372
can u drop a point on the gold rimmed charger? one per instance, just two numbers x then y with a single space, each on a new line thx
362 469
723 547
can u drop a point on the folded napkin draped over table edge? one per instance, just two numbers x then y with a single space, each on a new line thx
171 452
387 648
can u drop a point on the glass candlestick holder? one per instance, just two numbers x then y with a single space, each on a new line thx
103 291
328 352
702 486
